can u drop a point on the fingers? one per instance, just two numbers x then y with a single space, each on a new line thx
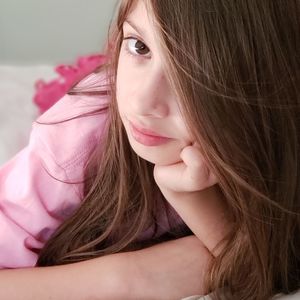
170 177
191 174
193 159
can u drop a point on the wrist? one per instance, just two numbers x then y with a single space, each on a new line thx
113 278
205 213
164 271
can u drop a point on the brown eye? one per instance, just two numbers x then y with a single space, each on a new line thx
136 47
141 47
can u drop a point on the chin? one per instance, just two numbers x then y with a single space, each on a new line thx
159 155
159 160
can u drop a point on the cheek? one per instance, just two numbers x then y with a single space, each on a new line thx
121 90
183 129
124 82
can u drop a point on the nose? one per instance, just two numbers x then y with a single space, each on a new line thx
152 96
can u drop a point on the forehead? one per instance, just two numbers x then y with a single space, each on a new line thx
141 18
137 9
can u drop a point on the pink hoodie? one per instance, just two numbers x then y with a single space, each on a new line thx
33 203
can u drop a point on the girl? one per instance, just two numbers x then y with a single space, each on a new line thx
216 82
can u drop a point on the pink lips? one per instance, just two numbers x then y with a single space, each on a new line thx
147 137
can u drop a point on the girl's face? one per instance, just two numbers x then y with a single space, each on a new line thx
145 98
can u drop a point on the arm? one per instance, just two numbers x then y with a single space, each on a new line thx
34 199
205 213
163 271
94 279
196 197
172 270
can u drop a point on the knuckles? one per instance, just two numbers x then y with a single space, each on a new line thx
190 176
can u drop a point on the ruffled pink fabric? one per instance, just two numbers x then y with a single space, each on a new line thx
47 94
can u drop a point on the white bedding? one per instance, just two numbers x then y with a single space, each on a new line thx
295 296
17 110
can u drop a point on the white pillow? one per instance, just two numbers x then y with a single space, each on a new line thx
17 110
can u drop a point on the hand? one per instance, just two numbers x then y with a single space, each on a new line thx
191 188
188 175
170 270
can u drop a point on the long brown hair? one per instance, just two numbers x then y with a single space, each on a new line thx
235 68
121 198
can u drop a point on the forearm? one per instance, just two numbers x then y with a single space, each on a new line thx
101 278
170 270
205 213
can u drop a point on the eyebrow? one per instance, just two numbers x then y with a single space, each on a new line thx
135 27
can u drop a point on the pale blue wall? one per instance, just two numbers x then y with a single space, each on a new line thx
52 31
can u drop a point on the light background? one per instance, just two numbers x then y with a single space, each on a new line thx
52 31
35 36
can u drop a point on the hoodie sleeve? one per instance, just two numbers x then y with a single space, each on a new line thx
35 197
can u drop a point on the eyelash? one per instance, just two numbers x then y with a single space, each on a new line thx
137 56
